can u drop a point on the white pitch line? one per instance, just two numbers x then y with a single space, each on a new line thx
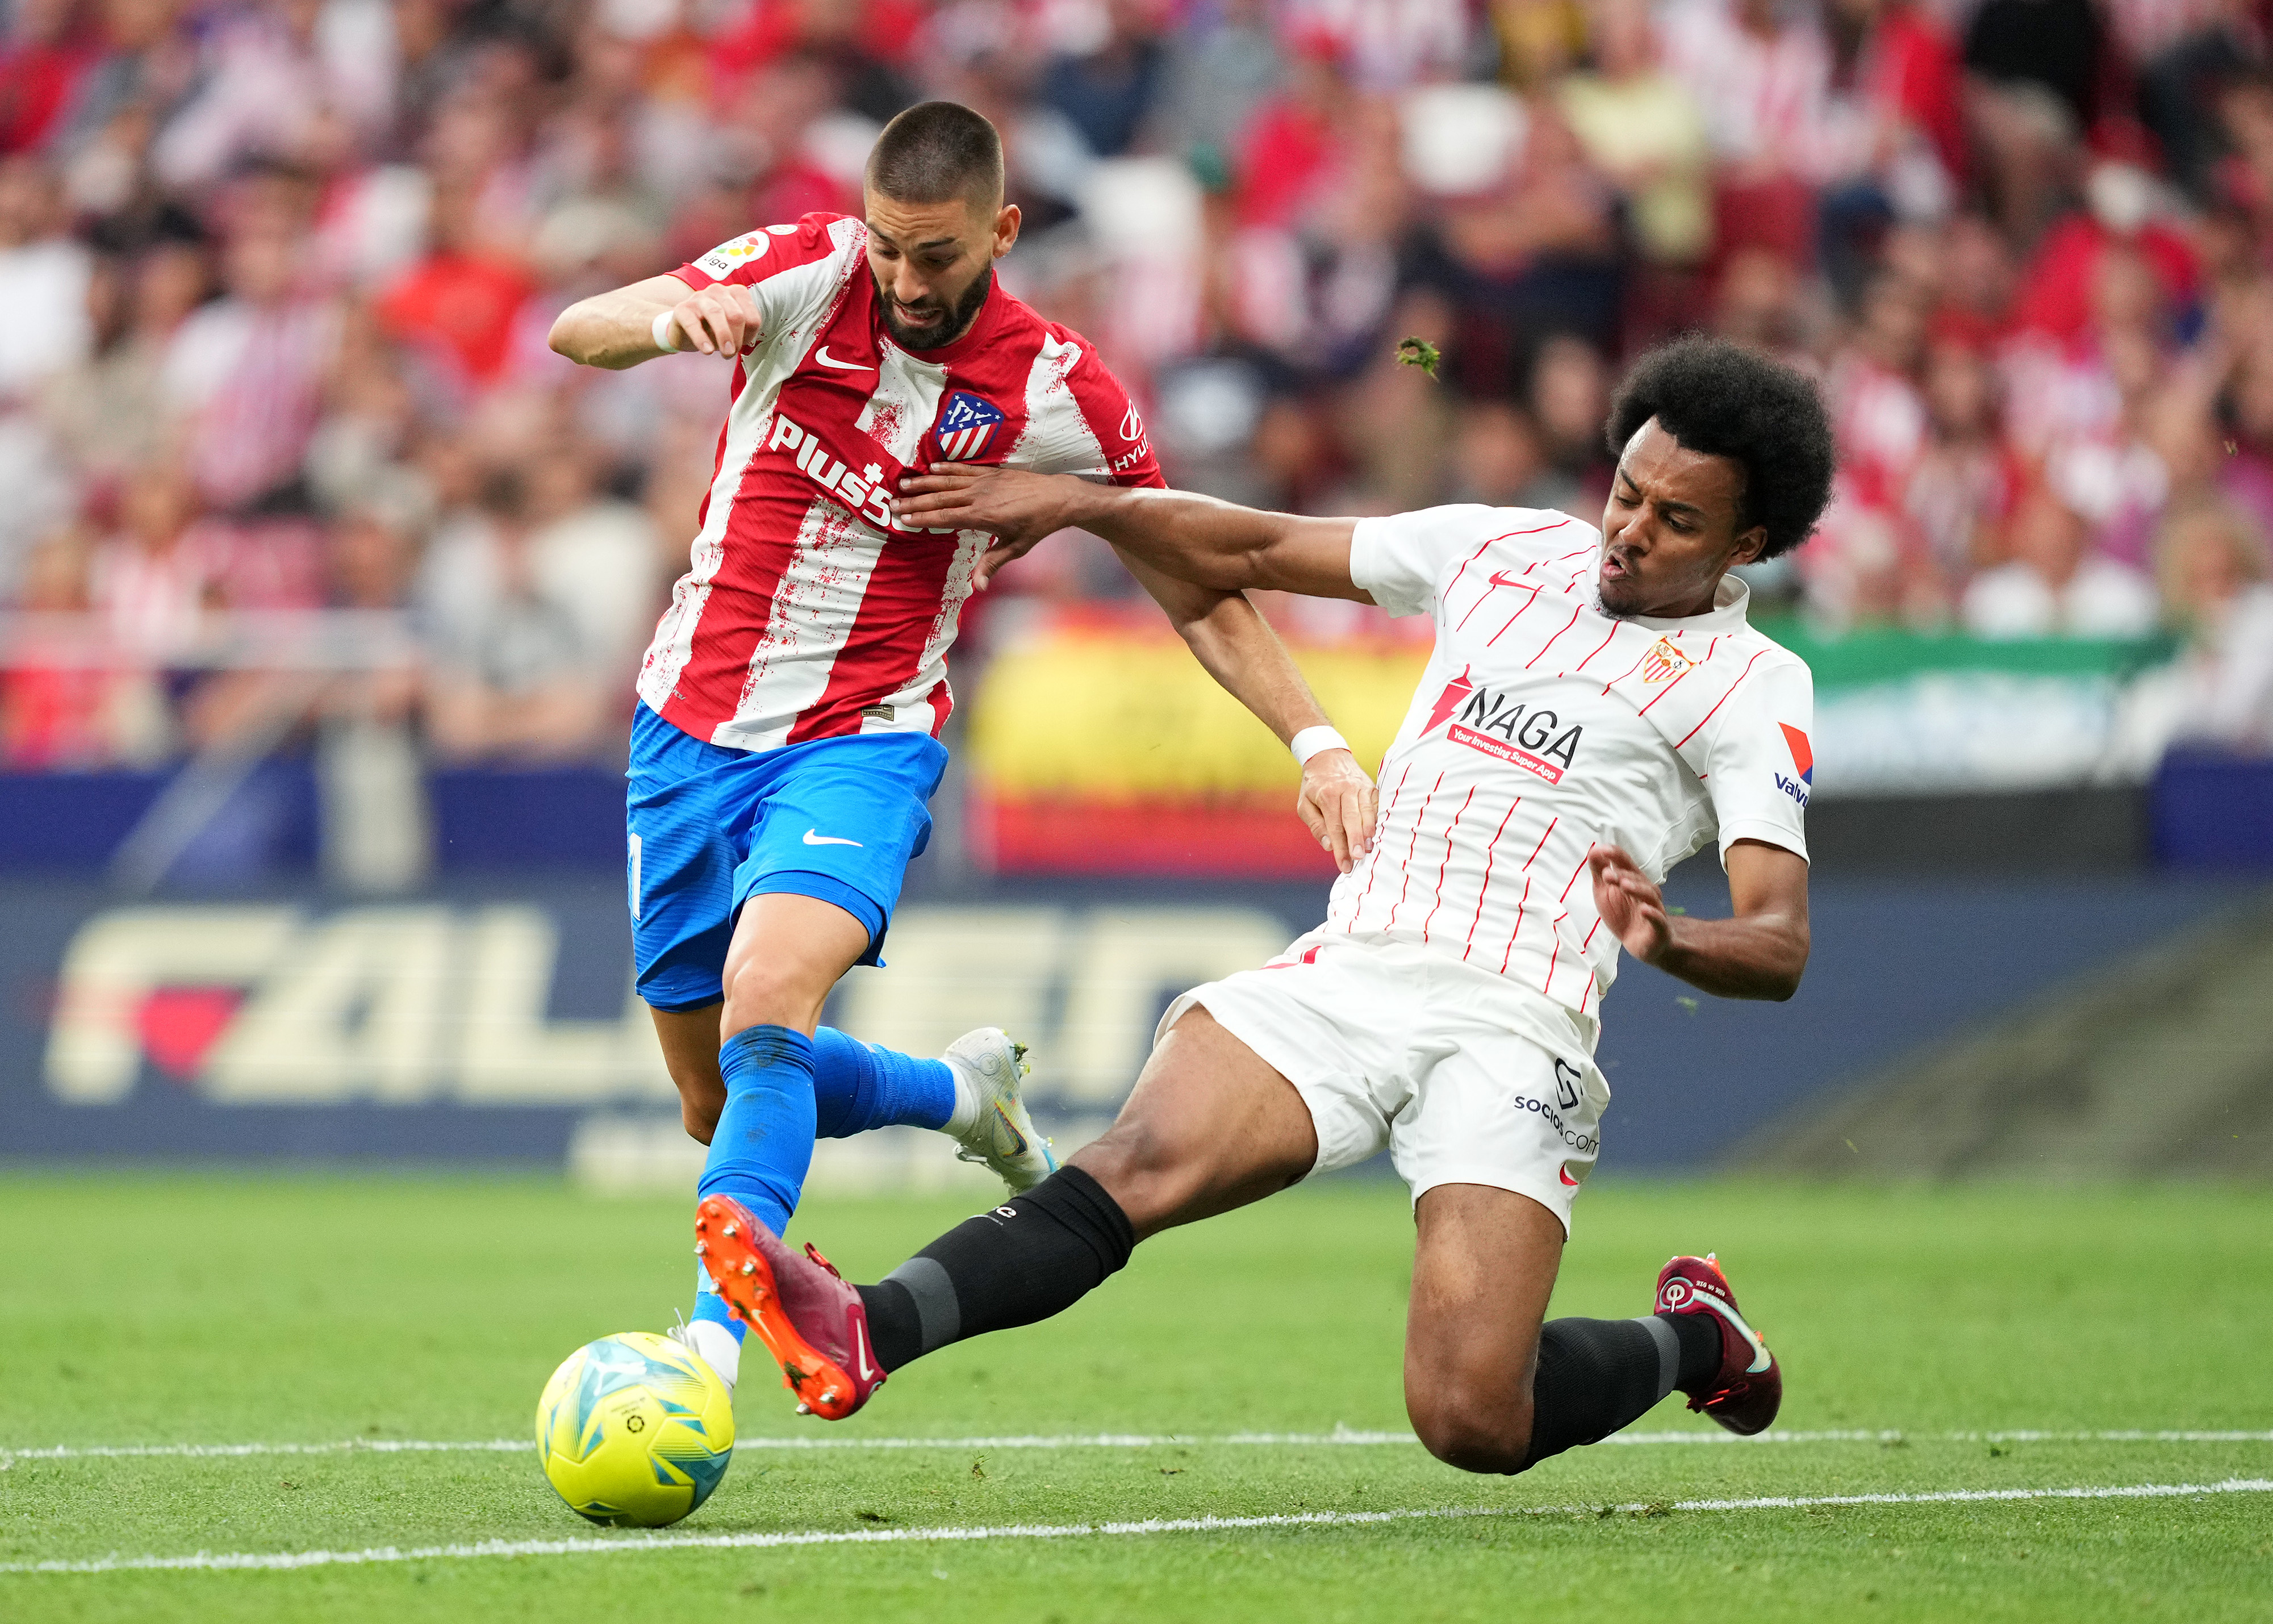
1341 1437
285 1560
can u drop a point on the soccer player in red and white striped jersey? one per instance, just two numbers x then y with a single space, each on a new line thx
1597 708
785 745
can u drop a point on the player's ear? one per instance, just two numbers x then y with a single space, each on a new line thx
1750 545
1005 228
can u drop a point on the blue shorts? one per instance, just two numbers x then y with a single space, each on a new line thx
709 828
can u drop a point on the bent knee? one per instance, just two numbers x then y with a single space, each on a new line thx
1469 1430
767 993
700 1117
1152 1176
702 1097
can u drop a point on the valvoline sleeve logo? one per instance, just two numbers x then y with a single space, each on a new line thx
1802 757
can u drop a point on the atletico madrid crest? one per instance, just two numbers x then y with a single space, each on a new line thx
966 426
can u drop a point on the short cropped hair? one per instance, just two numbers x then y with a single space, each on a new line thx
1723 400
936 152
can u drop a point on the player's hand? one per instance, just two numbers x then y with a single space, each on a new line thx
1020 509
720 319
1337 803
1630 904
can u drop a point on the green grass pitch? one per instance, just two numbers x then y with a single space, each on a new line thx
315 1310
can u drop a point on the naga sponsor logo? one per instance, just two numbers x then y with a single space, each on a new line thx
1487 720
1583 1143
1664 662
1803 757
1455 695
863 493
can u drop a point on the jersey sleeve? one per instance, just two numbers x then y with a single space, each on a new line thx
1404 561
1758 767
1084 422
791 271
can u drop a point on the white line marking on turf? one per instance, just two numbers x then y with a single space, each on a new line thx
1084 1531
1340 1437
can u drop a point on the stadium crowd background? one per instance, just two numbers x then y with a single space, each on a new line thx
275 278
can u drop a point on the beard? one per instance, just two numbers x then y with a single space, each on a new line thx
948 323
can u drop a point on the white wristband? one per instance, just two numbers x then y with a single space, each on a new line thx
1311 741
662 332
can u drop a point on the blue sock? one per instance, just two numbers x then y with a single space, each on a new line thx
859 1086
763 1144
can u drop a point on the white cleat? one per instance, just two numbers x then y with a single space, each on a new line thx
990 1120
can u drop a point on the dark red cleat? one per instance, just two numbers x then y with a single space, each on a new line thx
809 1318
1744 1394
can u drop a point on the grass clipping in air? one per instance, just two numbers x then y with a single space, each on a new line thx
1418 352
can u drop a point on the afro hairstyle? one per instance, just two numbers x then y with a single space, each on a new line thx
1723 400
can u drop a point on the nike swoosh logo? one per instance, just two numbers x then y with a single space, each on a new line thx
812 838
822 355
1760 1357
1500 577
865 1372
1567 1179
1018 1149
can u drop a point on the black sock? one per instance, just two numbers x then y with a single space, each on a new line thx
1036 1255
1596 1376
1699 1336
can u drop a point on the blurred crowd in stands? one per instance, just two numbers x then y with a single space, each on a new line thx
276 277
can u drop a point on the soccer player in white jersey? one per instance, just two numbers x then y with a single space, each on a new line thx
1595 710
786 746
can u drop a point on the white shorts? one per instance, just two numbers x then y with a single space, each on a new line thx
1390 1047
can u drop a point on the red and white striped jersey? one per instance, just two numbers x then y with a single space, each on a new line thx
805 613
1543 728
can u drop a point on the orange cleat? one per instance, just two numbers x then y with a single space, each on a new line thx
810 1320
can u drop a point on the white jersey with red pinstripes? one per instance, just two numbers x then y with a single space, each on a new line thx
806 612
1544 728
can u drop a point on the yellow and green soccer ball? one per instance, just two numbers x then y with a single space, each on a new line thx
634 1431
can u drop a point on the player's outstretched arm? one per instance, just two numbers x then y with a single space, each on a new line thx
1759 953
1228 635
660 316
1189 537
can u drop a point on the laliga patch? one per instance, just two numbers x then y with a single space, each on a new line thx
727 258
965 426
1664 662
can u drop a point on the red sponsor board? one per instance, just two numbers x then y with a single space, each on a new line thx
1506 752
1253 840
